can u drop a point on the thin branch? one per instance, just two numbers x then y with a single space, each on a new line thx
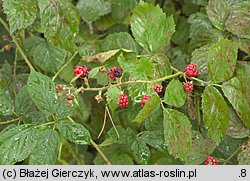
45 124
112 122
134 82
65 65
231 156
104 123
100 152
17 45
10 121
72 152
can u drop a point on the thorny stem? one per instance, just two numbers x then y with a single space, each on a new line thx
65 65
100 152
134 82
17 45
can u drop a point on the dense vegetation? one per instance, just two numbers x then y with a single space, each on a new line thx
124 82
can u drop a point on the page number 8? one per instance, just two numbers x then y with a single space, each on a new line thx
243 173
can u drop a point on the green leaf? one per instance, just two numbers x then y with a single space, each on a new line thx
242 68
222 60
205 37
150 107
90 11
243 43
140 151
129 139
113 95
115 155
23 102
150 27
60 22
237 92
182 32
200 58
94 72
126 136
62 110
219 11
155 139
200 149
20 13
6 105
119 40
215 113
74 132
209 60
46 56
244 155
238 21
140 69
122 8
9 132
175 94
162 67
136 91
41 89
229 146
35 118
236 128
199 22
45 152
4 137
152 123
101 77
177 132
17 143
5 73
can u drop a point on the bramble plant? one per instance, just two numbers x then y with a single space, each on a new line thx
125 82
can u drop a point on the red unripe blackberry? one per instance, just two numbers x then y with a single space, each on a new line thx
123 102
188 87
158 88
211 161
191 70
112 75
144 100
82 71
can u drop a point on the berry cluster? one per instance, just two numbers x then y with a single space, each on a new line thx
158 88
123 102
59 88
115 72
191 70
188 87
70 97
82 71
144 100
211 161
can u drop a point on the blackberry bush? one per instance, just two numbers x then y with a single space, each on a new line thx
82 82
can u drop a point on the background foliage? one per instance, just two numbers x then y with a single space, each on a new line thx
152 41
